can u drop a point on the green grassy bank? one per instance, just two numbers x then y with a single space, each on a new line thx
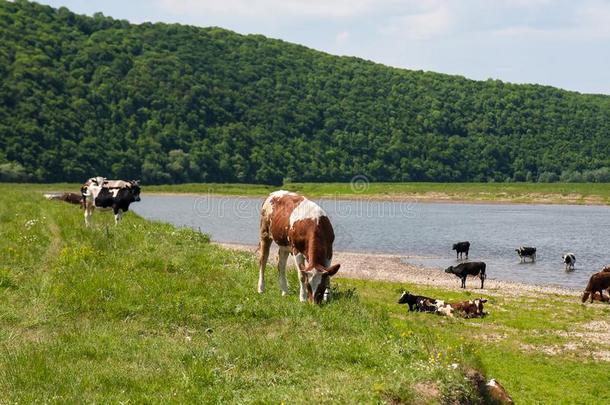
145 312
552 193
541 193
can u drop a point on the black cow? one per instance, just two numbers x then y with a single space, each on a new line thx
526 251
417 303
461 247
463 270
116 194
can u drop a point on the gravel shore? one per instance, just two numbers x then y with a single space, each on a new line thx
389 267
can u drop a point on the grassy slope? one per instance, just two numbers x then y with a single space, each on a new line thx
145 312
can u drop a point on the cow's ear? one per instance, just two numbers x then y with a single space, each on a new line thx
332 270
483 300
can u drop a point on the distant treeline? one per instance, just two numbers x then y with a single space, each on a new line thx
82 96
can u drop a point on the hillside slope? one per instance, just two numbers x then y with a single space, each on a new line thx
170 103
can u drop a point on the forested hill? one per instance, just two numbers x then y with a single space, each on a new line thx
82 96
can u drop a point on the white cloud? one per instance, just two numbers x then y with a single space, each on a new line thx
589 21
279 8
342 37
428 24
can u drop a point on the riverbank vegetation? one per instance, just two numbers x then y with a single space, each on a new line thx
526 193
145 312
170 103
556 193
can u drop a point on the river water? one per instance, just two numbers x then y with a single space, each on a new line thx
423 233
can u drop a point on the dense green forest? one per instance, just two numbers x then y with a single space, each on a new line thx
168 103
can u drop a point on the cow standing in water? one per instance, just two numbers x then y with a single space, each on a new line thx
569 259
116 194
298 226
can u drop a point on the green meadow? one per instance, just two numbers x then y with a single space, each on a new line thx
146 312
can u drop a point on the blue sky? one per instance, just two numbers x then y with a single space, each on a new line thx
555 42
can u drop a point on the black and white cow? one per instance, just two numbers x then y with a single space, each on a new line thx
460 248
569 259
417 303
116 194
526 251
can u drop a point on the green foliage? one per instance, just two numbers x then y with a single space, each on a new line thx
13 172
82 96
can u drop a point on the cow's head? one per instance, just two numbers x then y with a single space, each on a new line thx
404 297
479 304
449 269
135 189
317 280
455 246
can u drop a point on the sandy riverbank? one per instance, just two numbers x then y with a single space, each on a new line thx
389 267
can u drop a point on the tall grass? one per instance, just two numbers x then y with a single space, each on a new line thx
145 312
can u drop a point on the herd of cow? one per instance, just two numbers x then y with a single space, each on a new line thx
301 227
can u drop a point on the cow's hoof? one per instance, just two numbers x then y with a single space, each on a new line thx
284 293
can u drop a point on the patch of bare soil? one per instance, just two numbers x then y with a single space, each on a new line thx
428 392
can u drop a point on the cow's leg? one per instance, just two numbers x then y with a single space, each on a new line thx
482 276
263 255
466 255
299 262
118 214
281 265
88 212
464 282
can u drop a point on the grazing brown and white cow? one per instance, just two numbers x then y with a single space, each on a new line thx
98 192
298 226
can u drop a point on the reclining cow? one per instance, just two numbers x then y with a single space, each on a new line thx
460 248
526 251
569 259
298 226
466 309
464 270
98 192
71 198
417 303
597 284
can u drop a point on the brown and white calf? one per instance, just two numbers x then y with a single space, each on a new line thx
301 227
